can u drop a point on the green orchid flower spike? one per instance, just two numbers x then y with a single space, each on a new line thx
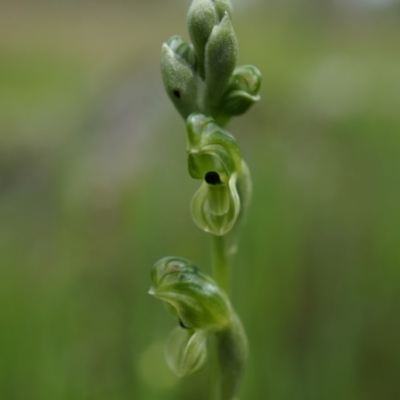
207 88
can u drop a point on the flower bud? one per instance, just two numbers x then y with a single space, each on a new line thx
186 350
223 6
242 90
201 18
220 59
180 47
180 79
190 294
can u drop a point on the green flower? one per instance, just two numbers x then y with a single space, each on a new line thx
191 295
214 157
242 91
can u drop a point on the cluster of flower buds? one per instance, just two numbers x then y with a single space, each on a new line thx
200 306
202 77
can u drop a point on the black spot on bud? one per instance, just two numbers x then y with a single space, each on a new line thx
212 178
177 93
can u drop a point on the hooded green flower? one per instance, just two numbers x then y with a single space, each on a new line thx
214 157
190 294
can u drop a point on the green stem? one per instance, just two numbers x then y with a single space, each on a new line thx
232 355
221 269
231 341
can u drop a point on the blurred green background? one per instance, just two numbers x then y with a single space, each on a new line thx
94 189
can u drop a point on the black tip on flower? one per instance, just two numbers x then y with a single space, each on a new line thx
212 178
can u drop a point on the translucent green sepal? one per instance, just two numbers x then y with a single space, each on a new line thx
242 91
220 59
210 159
182 84
215 207
191 295
210 146
186 350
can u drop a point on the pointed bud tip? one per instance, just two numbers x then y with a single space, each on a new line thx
165 47
220 58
